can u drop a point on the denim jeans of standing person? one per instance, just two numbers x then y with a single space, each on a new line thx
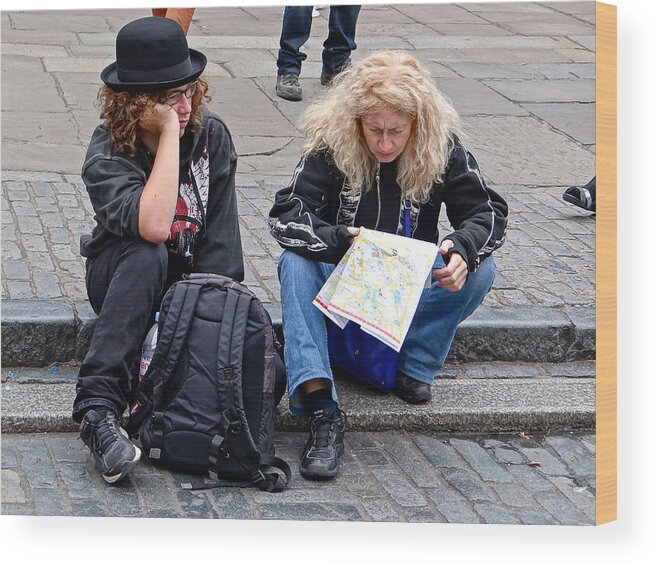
426 345
296 25
125 284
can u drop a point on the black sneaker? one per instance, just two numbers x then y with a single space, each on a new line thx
288 87
324 446
411 390
582 196
112 451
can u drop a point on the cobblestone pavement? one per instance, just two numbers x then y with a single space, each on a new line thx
395 477
521 76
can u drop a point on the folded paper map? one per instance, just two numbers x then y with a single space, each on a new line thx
378 284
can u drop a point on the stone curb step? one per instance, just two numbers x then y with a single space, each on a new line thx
32 404
37 333
67 372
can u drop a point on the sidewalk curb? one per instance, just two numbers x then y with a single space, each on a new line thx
480 405
36 333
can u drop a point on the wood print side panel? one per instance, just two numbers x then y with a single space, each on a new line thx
606 123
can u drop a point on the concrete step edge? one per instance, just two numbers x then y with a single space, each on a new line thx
36 333
491 370
486 405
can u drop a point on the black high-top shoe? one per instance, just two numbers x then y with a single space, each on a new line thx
325 445
112 451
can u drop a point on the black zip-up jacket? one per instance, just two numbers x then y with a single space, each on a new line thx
208 162
312 214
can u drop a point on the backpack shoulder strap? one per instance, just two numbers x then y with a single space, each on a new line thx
272 481
169 345
176 327
166 353
233 419
233 330
229 362
273 475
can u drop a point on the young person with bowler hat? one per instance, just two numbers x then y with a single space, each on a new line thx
160 173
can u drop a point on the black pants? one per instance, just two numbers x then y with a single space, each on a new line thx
125 284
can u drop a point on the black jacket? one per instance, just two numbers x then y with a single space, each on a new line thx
208 162
312 214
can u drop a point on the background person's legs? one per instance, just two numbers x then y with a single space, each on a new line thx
341 37
296 26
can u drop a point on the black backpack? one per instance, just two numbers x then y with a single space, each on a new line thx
206 402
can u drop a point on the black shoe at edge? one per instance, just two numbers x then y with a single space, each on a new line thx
324 446
580 196
411 390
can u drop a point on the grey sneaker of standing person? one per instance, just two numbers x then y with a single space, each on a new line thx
288 87
112 451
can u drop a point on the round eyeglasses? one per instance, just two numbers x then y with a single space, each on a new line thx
173 98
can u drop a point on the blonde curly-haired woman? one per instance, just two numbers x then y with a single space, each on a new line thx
382 139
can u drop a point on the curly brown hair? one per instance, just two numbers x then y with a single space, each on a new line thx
121 112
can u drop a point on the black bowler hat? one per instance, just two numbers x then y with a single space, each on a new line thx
152 54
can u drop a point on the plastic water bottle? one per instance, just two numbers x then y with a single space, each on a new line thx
148 350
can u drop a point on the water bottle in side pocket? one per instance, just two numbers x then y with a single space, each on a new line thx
148 350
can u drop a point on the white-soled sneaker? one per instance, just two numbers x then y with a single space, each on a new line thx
114 454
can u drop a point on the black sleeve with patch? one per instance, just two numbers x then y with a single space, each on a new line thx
295 219
478 214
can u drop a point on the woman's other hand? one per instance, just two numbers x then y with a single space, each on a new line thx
355 232
453 276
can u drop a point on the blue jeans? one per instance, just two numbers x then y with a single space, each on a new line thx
424 349
296 25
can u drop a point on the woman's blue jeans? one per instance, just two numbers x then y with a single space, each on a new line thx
296 25
425 348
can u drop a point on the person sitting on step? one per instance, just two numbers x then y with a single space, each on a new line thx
160 174
383 134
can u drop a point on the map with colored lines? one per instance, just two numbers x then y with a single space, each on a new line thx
378 284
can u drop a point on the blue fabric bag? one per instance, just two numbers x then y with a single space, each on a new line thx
361 355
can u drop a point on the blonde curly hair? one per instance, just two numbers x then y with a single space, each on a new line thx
387 79
121 112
